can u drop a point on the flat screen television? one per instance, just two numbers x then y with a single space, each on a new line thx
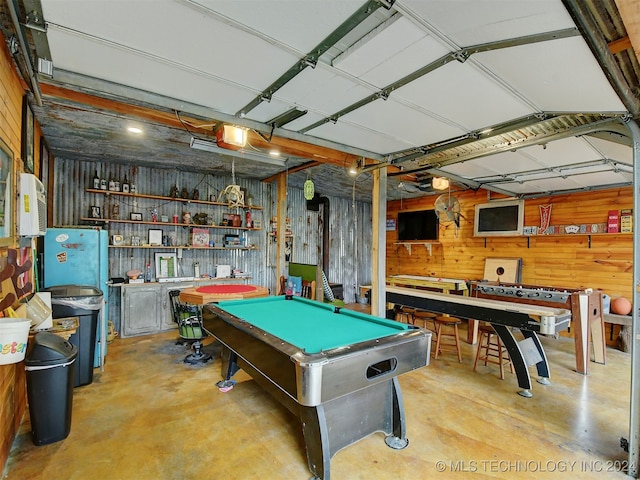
418 225
499 218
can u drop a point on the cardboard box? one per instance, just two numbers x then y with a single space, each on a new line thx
612 222
626 220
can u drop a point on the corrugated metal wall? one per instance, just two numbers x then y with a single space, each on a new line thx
350 234
349 223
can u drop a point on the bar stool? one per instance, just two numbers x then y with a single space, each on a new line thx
424 317
405 315
451 323
491 349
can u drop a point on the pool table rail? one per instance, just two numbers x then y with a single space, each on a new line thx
317 377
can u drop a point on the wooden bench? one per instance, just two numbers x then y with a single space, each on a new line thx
626 322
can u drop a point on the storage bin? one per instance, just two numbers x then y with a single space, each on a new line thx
14 333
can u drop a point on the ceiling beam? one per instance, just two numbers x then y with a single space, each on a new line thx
286 147
620 45
299 168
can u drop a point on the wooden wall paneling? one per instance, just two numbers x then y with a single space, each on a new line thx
13 397
599 261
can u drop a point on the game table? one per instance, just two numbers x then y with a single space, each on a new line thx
335 369
445 285
218 293
504 317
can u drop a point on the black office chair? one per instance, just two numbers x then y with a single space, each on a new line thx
190 329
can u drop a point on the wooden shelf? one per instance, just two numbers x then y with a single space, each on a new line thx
599 234
166 224
426 243
184 247
173 199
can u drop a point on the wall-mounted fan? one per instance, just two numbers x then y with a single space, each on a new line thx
448 209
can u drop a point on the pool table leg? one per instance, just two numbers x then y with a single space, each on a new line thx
398 438
229 367
333 425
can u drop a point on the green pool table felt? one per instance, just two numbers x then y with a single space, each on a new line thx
309 325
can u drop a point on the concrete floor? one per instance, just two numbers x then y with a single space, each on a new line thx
150 416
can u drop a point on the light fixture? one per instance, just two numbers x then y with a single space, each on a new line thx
135 130
207 146
440 183
229 136
354 168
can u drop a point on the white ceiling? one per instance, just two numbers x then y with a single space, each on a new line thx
222 55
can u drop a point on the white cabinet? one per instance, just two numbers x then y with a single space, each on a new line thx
141 309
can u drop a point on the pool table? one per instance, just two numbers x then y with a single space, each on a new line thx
335 369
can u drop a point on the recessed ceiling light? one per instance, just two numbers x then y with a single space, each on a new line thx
274 153
134 130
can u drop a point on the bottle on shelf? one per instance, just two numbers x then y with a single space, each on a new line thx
112 184
125 184
96 181
147 275
103 183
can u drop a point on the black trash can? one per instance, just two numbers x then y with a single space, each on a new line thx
50 364
84 302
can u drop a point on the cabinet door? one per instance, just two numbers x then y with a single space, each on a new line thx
166 315
141 310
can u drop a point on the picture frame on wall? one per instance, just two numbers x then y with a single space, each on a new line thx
135 216
27 136
7 194
44 161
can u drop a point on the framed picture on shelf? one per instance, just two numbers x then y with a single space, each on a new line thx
155 236
135 216
27 136
135 241
94 211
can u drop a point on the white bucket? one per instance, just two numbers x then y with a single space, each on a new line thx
14 333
